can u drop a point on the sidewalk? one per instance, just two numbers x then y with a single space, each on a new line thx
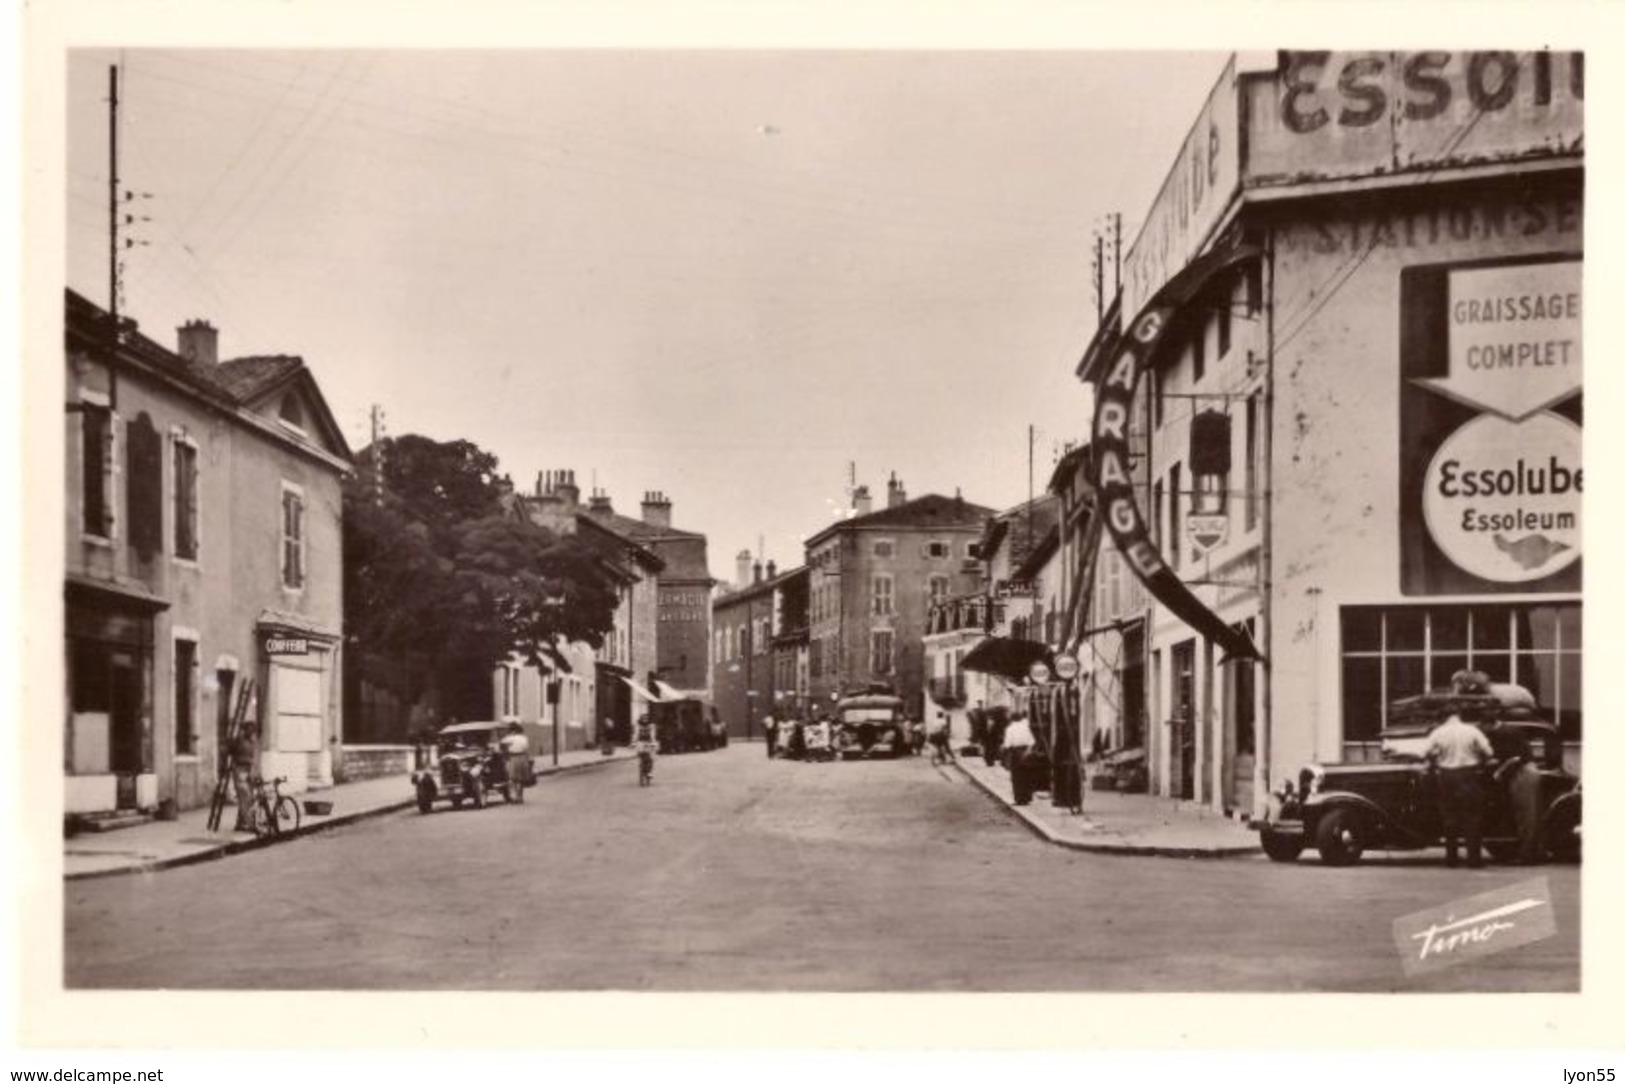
157 845
1114 823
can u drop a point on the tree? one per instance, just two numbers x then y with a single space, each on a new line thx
442 583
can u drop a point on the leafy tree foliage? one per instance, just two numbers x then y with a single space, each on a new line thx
441 577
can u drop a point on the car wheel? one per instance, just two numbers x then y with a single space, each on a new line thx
476 792
1341 838
1281 847
425 797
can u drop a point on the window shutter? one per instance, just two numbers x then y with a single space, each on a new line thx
144 487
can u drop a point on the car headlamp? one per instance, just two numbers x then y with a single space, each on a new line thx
1309 781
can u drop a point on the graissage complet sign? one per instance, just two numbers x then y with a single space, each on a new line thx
1491 481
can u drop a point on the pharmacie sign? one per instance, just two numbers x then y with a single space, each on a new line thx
1491 481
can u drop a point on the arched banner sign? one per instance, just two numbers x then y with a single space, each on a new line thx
1114 487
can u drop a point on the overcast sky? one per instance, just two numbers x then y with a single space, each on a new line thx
724 275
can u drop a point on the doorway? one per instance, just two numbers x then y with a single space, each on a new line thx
1184 718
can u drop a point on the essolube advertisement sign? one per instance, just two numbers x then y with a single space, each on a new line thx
1491 482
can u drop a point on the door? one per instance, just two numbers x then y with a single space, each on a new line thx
1240 713
1131 683
1184 717
127 698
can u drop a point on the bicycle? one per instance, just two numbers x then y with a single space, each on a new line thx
272 812
646 767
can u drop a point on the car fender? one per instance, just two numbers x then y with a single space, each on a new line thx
1318 805
1563 802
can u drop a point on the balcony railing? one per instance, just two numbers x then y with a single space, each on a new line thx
962 612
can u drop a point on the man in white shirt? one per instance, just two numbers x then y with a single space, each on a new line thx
1459 751
1017 747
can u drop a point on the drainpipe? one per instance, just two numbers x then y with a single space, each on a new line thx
1265 738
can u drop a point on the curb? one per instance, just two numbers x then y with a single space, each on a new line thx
252 843
1132 850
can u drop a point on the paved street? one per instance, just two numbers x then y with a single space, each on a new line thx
735 873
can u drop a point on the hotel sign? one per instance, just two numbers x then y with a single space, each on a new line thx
1193 198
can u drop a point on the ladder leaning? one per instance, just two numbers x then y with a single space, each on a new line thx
222 786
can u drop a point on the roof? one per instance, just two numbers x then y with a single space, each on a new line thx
1027 525
932 511
234 385
249 378
638 529
642 554
760 587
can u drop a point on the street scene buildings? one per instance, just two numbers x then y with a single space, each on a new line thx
1314 514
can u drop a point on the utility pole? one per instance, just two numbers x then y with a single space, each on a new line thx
1100 278
1117 253
112 233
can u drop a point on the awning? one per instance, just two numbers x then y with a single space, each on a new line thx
1004 657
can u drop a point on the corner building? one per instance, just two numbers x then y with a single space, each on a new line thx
1373 261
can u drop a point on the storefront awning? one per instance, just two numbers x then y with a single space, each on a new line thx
1004 657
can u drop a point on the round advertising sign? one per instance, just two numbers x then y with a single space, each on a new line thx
1039 672
1502 498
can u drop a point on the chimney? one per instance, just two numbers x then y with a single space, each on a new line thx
656 509
742 568
772 570
861 504
599 504
756 571
564 484
895 494
199 342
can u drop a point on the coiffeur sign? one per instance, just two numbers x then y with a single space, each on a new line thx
1114 401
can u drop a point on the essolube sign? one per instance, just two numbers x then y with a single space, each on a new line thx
1502 498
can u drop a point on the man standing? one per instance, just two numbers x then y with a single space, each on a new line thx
245 755
1458 751
1016 746
770 728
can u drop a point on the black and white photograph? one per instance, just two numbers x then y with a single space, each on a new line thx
559 517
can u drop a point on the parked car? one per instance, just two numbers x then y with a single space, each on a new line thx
468 765
1344 810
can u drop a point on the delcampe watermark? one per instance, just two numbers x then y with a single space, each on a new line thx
1481 925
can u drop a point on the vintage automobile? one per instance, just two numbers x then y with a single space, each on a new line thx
1344 810
870 724
467 765
683 726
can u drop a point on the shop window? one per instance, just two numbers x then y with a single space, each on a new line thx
880 652
293 537
185 697
1391 653
186 513
96 462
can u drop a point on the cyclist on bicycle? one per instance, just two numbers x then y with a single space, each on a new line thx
643 741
